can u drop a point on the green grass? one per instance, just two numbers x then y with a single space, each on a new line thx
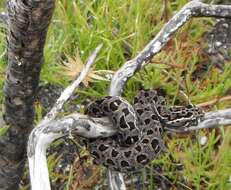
80 27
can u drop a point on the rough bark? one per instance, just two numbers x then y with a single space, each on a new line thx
28 21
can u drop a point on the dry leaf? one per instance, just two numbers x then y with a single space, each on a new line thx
73 66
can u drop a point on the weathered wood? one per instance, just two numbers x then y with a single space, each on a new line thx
70 89
49 130
192 9
43 135
27 22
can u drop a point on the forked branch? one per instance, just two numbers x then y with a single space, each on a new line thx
192 9
50 130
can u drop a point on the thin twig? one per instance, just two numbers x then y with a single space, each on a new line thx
66 94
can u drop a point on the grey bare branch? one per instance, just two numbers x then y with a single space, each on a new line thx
191 9
66 94
46 132
50 130
42 136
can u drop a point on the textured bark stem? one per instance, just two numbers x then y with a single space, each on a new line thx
27 21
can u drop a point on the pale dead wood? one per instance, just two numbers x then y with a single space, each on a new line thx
49 130
192 9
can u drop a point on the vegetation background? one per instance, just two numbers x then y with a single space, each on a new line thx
124 27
